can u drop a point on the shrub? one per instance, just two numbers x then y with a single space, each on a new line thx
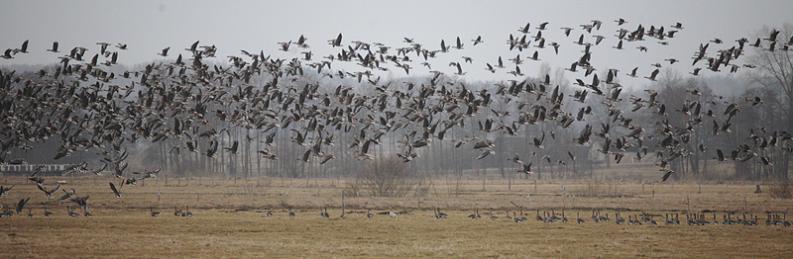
387 177
781 190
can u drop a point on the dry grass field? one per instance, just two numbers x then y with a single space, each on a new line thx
228 221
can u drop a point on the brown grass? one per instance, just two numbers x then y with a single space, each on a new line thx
783 190
228 221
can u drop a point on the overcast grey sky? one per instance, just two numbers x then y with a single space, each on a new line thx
148 26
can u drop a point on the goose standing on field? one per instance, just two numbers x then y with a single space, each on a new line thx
618 218
440 214
475 215
605 218
47 212
519 218
492 216
71 212
564 218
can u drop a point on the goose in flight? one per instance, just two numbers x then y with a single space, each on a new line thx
21 204
24 48
490 68
653 75
115 190
771 37
103 47
555 47
598 39
8 54
459 44
46 191
696 71
82 202
67 195
336 42
535 56
54 48
193 47
444 47
525 29
667 174
478 40
459 68
567 31
543 26
4 190
516 72
526 169
284 46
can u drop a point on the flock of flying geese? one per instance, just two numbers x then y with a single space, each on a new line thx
69 197
88 104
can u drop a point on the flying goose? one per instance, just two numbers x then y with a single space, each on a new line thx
4 190
21 204
54 48
164 52
46 191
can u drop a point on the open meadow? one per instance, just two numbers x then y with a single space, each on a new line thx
229 219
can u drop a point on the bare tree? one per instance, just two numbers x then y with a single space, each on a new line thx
775 70
387 177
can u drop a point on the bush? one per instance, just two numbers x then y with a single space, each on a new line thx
388 177
354 188
782 190
598 189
